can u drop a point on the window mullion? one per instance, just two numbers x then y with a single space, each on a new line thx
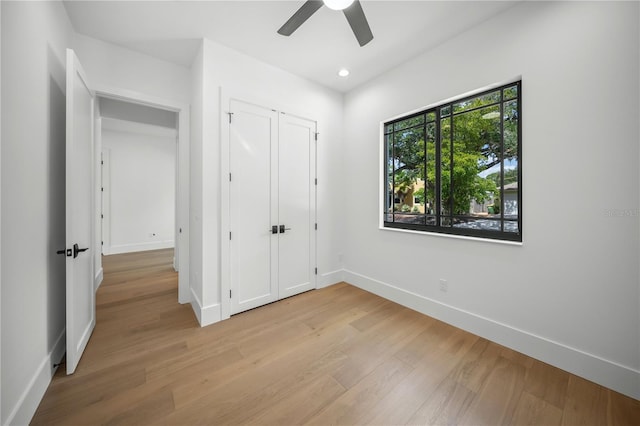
438 166
393 174
451 133
425 192
502 203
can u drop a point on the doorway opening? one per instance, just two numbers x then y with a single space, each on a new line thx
142 180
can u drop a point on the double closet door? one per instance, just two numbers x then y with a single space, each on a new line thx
272 202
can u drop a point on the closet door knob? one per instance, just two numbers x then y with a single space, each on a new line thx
282 229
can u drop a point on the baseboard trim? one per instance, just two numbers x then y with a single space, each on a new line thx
132 248
98 279
28 403
591 367
330 278
206 315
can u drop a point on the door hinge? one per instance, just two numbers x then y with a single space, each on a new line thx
316 226
101 216
229 293
230 114
229 234
316 181
316 135
229 177
102 162
180 230
101 189
316 271
101 243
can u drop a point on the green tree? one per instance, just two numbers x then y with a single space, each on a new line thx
476 141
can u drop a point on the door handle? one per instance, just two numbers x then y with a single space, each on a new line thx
282 229
77 250
67 252
274 229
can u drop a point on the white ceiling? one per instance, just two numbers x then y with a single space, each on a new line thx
171 30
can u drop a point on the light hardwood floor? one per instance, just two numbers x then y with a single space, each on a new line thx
338 355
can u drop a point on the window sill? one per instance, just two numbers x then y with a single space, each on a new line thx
457 237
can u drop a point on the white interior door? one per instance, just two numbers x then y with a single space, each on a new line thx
81 315
296 200
253 182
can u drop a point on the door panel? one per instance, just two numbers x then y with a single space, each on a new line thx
252 143
80 295
296 199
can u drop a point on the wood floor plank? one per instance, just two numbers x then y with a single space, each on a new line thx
533 410
356 405
301 406
378 343
426 394
88 390
337 355
158 405
622 410
586 403
220 395
446 405
435 334
547 383
496 401
473 370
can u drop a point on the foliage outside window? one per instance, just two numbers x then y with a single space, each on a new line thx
456 168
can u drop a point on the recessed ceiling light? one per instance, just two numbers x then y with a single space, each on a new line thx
343 72
337 4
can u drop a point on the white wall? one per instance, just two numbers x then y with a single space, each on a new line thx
195 177
0 214
141 186
34 38
245 78
108 65
570 294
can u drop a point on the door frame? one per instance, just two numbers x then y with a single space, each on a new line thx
105 178
181 261
225 96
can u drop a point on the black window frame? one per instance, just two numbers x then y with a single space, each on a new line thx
387 136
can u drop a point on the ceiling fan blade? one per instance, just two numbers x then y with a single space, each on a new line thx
358 22
308 8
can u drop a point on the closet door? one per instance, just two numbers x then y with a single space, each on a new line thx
296 202
253 247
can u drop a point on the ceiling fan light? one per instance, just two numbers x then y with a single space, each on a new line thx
337 4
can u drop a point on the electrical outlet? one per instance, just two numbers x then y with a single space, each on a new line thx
444 285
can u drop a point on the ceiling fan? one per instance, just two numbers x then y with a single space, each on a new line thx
352 10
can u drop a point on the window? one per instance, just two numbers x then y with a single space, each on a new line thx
456 168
